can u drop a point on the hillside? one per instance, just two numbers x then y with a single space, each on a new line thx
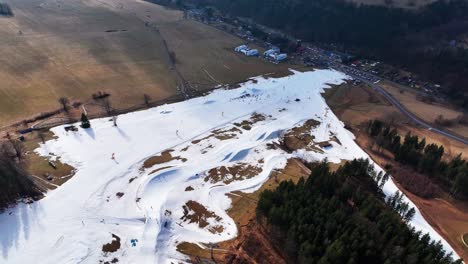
160 177
429 41
345 218
74 49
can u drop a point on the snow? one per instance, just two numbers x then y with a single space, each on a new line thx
71 223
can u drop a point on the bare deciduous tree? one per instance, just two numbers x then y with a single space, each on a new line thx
393 118
106 105
147 99
64 101
172 57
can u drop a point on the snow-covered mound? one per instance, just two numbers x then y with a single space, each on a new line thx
173 167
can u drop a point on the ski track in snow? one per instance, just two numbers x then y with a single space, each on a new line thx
71 223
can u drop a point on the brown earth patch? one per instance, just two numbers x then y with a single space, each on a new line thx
112 246
226 134
195 212
238 172
220 134
185 149
301 138
164 157
46 173
247 124
189 188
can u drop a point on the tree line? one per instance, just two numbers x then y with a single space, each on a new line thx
342 217
423 40
424 158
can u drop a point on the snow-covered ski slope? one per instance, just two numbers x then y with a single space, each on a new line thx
148 202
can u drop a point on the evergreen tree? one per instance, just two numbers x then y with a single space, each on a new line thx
341 217
84 121
425 158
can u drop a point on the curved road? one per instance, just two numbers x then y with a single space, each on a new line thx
410 115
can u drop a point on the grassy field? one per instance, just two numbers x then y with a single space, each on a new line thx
43 174
59 48
356 105
429 112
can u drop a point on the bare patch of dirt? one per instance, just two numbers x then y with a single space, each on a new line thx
164 157
226 134
119 194
196 141
220 134
112 246
195 212
237 172
217 229
46 173
185 149
247 124
301 138
189 188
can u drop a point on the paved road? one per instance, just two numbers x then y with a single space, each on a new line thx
410 115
